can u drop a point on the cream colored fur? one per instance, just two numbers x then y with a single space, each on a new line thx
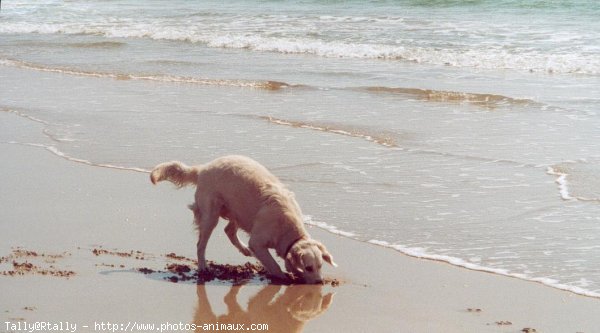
251 198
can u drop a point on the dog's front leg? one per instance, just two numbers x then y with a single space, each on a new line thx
261 252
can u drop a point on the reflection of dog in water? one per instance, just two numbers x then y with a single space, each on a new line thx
288 312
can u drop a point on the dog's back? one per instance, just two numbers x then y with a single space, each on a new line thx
245 187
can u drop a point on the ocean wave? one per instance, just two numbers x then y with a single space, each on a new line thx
490 101
267 85
481 56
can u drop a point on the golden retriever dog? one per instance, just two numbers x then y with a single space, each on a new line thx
245 193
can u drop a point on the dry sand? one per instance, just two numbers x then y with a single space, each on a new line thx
114 242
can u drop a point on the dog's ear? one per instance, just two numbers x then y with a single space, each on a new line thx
326 255
295 260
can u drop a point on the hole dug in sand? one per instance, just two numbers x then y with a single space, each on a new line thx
236 274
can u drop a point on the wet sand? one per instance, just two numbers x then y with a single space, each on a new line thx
114 242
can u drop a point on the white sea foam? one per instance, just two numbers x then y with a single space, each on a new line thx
24 115
472 264
59 153
580 191
484 56
309 220
561 181
384 139
420 253
65 156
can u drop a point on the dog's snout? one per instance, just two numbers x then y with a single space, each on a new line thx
313 280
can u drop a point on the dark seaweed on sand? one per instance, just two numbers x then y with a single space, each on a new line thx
224 272
236 274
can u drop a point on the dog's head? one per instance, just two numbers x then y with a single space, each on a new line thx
305 259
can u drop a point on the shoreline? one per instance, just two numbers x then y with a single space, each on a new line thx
452 261
382 289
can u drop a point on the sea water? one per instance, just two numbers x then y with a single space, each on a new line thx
461 131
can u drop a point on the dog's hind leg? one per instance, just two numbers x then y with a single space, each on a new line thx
206 224
231 231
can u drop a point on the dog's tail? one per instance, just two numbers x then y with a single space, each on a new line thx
175 172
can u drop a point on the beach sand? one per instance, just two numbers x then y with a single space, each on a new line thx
63 211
